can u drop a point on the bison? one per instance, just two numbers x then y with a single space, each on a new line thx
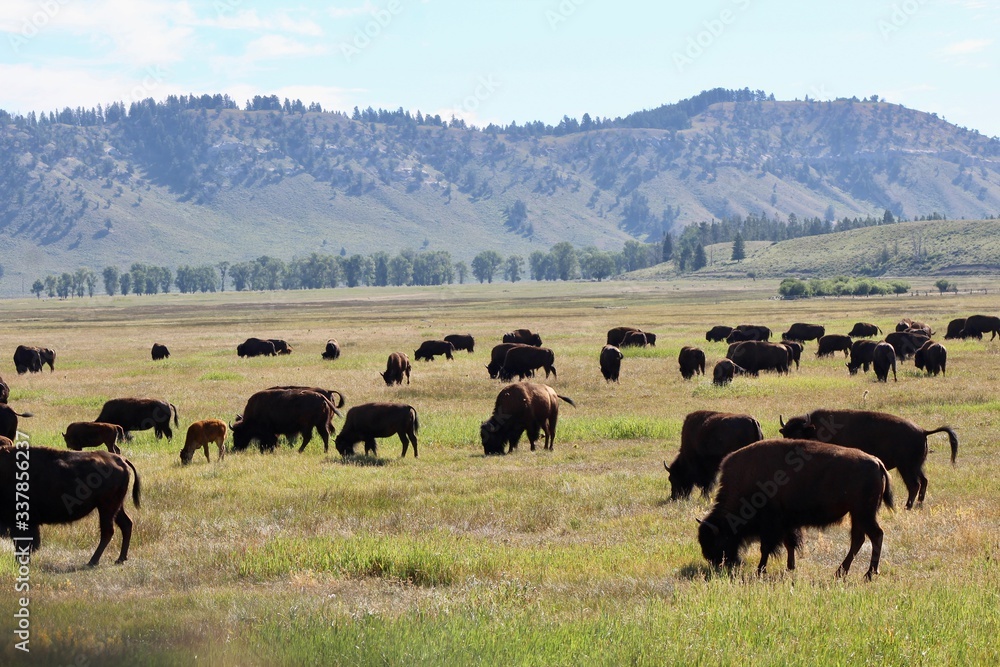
802 332
200 434
331 395
724 371
522 336
256 347
462 342
94 434
884 358
832 343
368 421
898 442
770 490
906 324
611 362
280 346
74 484
526 406
635 339
616 336
31 359
432 348
759 331
706 438
794 351
977 325
932 357
139 414
691 361
955 329
497 355
287 412
332 350
862 354
864 330
8 421
396 367
718 333
755 356
906 343
159 352
524 360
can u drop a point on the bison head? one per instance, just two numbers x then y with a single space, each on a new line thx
493 435
719 547
344 444
187 455
389 379
681 480
797 428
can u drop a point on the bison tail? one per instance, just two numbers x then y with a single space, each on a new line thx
567 399
887 491
416 420
952 439
137 486
119 433
177 422
340 398
25 414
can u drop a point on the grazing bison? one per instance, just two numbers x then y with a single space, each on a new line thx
717 334
802 332
524 360
4 391
332 350
287 412
884 358
616 336
522 407
256 347
755 356
977 325
432 348
74 484
759 331
139 414
864 330
32 359
331 395
862 354
706 438
611 362
8 421
724 371
691 361
462 342
832 343
497 355
794 351
770 490
955 329
932 357
280 346
94 434
368 421
906 324
898 442
200 434
159 352
522 336
635 339
906 343
396 367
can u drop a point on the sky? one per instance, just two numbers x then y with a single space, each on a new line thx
503 60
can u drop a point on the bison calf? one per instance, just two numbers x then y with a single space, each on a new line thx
611 362
368 421
691 361
522 407
200 434
79 435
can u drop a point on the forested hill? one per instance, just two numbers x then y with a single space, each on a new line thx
201 179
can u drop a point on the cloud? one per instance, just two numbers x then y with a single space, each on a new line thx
349 12
966 47
280 46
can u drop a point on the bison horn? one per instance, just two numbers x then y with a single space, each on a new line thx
666 466
710 525
781 421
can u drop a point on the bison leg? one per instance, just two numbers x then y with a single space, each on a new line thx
875 534
922 479
372 446
107 532
124 522
222 449
912 481
205 449
857 541
406 444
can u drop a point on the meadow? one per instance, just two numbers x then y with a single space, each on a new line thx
569 557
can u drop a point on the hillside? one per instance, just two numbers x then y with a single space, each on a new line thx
197 180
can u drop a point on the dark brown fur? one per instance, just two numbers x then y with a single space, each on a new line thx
79 435
332 350
831 343
396 366
524 360
139 414
611 362
884 358
288 412
368 421
432 348
521 407
462 342
932 357
523 337
706 438
691 361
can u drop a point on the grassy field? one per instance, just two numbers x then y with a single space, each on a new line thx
571 557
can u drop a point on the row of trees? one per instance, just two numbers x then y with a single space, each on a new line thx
792 288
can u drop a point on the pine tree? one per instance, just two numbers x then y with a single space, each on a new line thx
668 248
739 248
700 260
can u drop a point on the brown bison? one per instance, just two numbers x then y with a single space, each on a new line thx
724 371
906 343
256 347
977 325
396 367
287 412
691 361
159 352
759 331
280 346
79 435
864 330
462 342
8 421
497 355
898 442
770 490
332 350
526 406
200 434
32 359
331 395
755 356
617 335
794 351
955 329
74 484
884 358
635 339
932 357
862 354
832 343
802 332
906 324
368 421
524 360
432 348
522 336
611 362
139 414
706 438
717 334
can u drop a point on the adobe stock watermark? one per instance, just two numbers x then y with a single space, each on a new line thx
226 7
23 537
900 15
153 78
562 12
712 30
32 25
364 35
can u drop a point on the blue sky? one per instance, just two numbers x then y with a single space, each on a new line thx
503 60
